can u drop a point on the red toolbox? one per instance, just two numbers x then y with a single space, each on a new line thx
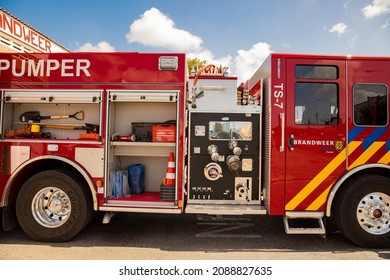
164 133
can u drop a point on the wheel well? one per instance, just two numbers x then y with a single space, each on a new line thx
339 188
38 166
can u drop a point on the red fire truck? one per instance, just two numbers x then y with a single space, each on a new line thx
305 139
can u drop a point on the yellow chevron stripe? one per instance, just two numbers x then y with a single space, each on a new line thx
320 200
361 160
324 173
385 159
364 157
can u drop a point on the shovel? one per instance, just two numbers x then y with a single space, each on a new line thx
34 116
94 128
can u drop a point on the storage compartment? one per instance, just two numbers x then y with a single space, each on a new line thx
51 115
129 115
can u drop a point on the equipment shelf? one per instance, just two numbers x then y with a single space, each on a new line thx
156 149
134 199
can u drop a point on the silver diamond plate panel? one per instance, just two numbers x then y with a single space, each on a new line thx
215 209
215 100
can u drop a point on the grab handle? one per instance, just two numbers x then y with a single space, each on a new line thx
281 148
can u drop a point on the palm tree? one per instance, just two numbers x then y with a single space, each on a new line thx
194 64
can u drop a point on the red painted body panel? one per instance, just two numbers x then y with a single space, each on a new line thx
300 179
120 68
97 71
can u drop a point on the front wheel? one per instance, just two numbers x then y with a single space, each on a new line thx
362 211
52 207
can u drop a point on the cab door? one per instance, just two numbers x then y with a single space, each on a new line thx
315 130
368 125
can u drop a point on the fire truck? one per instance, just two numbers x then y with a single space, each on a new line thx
305 138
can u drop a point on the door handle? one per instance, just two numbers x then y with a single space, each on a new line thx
281 148
291 142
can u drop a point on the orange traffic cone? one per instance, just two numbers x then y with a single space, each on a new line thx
167 188
170 177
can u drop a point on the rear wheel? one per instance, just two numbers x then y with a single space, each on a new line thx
362 211
52 206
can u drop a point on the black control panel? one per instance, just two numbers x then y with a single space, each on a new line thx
224 156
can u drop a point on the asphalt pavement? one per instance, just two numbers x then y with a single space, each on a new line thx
137 236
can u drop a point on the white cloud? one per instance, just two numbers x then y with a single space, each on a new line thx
102 46
346 4
339 28
156 29
243 66
386 24
353 40
207 55
248 61
376 8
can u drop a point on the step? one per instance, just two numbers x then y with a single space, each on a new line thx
225 209
303 215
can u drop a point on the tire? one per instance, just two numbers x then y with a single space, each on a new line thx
362 211
52 206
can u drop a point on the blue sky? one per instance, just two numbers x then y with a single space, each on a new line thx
239 34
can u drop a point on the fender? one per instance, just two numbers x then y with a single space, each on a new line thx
335 188
65 160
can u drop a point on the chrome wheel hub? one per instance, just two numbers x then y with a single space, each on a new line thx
373 213
51 207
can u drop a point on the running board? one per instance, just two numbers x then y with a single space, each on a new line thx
225 209
302 215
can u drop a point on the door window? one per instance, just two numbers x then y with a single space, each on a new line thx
316 103
319 72
370 105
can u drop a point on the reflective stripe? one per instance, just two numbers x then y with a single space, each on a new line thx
320 200
364 157
369 147
353 133
317 180
373 137
385 159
